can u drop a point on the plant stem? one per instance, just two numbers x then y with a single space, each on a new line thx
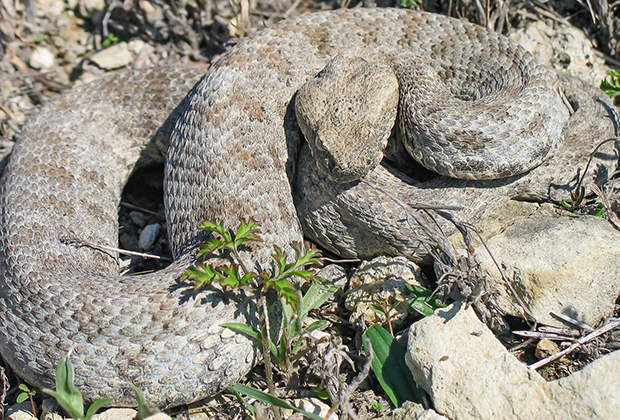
34 411
263 320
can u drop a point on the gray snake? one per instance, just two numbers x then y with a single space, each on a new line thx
233 153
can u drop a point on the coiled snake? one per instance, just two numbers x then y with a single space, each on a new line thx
234 153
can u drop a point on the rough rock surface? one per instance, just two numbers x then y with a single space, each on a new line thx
564 48
470 375
564 263
382 281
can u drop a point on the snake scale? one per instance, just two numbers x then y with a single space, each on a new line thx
233 152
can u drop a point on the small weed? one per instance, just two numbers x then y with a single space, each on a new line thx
111 39
284 279
424 303
266 398
144 410
68 396
376 405
39 38
389 366
26 393
407 3
611 86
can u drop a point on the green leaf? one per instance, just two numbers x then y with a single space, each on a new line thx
210 247
94 407
280 259
249 406
421 306
202 274
315 325
253 334
320 392
318 293
23 396
599 211
376 309
611 86
390 368
270 399
110 39
39 38
244 329
248 232
144 410
423 302
285 290
67 395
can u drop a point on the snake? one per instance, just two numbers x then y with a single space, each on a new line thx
233 148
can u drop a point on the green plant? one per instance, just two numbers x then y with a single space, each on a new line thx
407 3
611 86
389 366
26 393
144 410
68 396
109 40
39 38
284 279
376 405
382 308
424 303
266 398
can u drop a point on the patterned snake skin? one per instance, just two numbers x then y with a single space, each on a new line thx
233 153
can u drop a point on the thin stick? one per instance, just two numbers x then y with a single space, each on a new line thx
600 331
111 249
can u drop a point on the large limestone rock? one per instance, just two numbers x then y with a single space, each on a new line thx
470 375
556 262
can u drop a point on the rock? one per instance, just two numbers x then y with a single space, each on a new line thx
334 274
591 393
413 411
135 46
91 6
50 409
431 415
159 416
138 218
113 57
564 48
566 264
545 348
128 241
467 372
50 7
382 280
116 414
148 235
315 406
21 411
41 58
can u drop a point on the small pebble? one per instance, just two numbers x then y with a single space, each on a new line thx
148 235
546 348
138 218
41 58
128 242
114 57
